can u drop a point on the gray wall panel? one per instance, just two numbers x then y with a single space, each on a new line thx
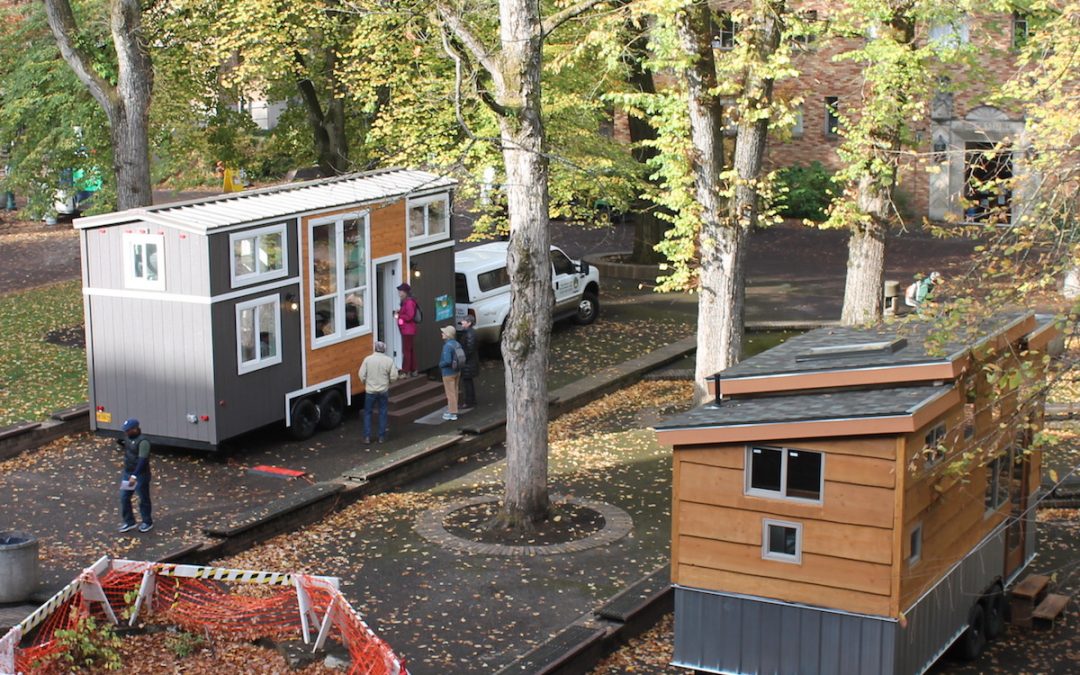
256 398
736 634
437 279
941 614
186 263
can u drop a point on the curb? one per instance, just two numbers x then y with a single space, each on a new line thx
632 271
23 436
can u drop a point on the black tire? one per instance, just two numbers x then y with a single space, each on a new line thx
995 612
588 309
972 642
305 419
331 409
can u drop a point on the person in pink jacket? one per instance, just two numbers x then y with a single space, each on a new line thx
406 321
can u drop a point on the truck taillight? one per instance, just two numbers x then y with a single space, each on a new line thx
472 313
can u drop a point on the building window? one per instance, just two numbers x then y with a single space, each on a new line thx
258 333
1019 30
781 540
258 255
144 261
933 448
997 484
950 35
797 128
784 473
339 272
429 218
832 116
724 31
915 545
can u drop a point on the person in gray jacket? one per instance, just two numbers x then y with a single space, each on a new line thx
377 372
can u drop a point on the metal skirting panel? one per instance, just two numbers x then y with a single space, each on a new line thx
940 615
722 633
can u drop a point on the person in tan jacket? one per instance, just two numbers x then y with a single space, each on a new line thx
377 372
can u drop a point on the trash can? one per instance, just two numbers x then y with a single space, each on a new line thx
20 571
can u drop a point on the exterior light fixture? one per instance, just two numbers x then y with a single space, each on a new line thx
940 150
292 303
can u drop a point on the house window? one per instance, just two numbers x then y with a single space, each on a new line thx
429 218
915 545
258 255
1019 30
781 540
258 333
784 473
144 261
724 30
832 116
997 484
339 272
933 450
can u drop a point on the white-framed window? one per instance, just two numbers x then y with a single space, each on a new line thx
144 261
915 544
258 333
1020 30
785 473
259 255
339 257
933 447
724 31
429 219
950 35
781 540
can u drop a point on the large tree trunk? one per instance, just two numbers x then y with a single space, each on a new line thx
865 284
127 105
327 125
528 330
649 228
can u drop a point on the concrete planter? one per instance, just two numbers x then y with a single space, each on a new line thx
20 571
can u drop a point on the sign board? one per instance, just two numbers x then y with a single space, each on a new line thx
444 308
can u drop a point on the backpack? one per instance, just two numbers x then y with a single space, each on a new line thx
457 359
418 314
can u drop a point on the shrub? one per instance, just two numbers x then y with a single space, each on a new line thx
804 191
86 647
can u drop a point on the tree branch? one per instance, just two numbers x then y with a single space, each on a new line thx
461 62
572 12
454 22
63 26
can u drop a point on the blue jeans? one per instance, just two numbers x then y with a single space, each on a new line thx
370 399
142 488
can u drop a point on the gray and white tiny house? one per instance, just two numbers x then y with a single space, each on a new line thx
209 318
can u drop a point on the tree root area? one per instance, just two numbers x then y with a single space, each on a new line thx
483 523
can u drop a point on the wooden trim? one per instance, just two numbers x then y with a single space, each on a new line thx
1041 337
676 514
830 379
774 432
898 560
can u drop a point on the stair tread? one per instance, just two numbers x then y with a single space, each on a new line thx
1051 606
1031 586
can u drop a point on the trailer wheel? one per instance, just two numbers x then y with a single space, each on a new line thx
305 419
331 409
995 612
971 643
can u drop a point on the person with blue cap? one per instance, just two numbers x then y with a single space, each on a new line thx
135 476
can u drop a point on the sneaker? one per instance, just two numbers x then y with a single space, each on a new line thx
126 527
146 527
446 415
451 416
367 440
382 439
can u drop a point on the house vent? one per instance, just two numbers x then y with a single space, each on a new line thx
852 350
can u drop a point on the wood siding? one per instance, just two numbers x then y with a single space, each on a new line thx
387 237
847 540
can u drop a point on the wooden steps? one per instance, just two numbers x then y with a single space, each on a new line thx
1029 600
1050 607
415 397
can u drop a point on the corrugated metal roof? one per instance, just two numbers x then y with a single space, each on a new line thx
279 201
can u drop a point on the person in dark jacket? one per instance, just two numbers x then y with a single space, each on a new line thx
466 335
135 477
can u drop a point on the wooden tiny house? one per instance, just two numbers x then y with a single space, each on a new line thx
825 519
209 318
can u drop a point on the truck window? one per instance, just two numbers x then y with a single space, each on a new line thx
562 264
490 280
461 289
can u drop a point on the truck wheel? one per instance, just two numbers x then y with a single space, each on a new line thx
995 612
331 409
305 419
588 309
971 643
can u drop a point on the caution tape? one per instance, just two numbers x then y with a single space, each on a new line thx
50 606
224 574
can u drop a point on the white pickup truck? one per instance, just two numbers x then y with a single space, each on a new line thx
482 288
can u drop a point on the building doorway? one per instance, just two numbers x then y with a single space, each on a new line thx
988 174
387 279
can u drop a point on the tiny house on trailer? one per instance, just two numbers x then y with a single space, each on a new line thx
819 522
209 318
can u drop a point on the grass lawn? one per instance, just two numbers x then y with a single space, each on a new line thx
37 377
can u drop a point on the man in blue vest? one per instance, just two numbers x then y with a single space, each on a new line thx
135 477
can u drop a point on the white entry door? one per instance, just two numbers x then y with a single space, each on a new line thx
387 279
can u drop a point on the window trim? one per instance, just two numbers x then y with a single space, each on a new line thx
832 134
141 238
365 328
238 281
767 554
782 493
915 552
1020 39
427 237
725 28
993 468
243 367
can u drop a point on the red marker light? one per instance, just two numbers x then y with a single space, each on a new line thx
101 408
204 418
